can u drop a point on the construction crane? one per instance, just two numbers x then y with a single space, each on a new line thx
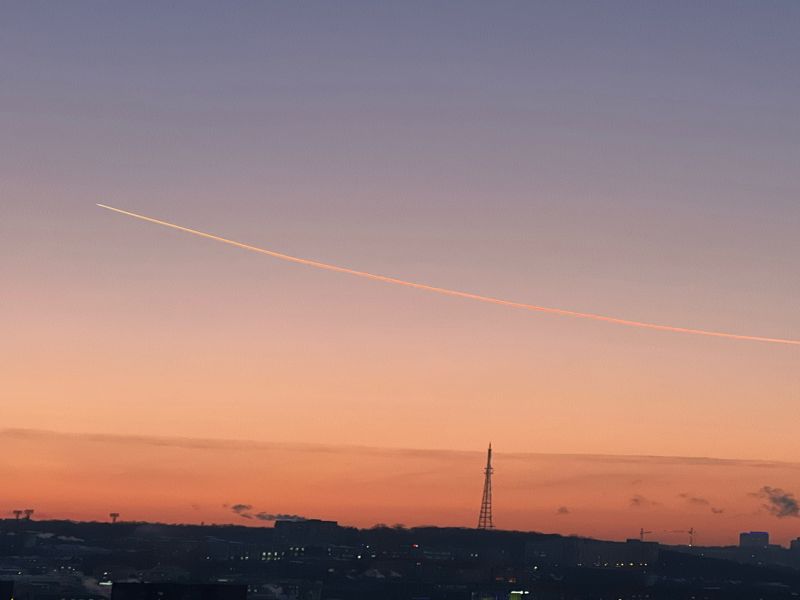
643 533
114 516
17 514
28 513
691 532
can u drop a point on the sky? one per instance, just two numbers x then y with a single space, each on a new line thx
639 160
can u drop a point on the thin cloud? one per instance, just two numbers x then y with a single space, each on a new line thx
265 516
249 446
639 501
450 292
695 500
779 503
243 510
700 502
246 511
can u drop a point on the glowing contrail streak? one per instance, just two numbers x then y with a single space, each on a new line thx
456 293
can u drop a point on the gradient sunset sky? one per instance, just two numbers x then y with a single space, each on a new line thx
640 160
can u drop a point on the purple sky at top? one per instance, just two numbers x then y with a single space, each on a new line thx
637 159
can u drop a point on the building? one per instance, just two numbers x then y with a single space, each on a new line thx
309 532
583 552
177 591
753 539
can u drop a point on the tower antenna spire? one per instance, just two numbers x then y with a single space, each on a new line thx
485 518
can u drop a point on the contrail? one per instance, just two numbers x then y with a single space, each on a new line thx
456 293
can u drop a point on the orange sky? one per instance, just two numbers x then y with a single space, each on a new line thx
153 333
160 333
639 163
193 480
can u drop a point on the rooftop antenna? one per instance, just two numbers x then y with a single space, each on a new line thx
114 516
485 518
